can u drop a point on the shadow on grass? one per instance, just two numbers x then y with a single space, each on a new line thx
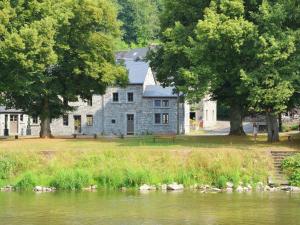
184 141
240 142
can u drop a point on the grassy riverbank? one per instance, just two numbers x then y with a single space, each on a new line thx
115 163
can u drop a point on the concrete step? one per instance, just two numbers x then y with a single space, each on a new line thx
279 177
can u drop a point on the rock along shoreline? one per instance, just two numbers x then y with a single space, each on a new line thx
260 187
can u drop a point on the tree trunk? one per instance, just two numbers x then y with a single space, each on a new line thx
45 131
273 128
280 122
236 120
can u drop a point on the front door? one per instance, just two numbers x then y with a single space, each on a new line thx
130 124
77 124
13 124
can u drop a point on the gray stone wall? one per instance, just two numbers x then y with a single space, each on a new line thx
110 118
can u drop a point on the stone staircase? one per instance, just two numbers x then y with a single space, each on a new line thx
279 178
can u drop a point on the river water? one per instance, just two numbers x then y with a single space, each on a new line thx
155 208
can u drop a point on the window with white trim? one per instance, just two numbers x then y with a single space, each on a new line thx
35 119
89 120
165 118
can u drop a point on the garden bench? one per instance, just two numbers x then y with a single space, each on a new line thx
165 137
84 136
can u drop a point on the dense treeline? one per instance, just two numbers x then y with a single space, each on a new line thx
140 20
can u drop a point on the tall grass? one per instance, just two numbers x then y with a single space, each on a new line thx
71 179
131 168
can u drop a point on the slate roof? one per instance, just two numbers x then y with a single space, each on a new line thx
158 91
139 53
137 71
3 109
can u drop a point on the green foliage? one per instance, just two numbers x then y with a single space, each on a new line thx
243 52
235 178
271 82
53 52
27 182
291 167
286 127
221 182
140 23
75 179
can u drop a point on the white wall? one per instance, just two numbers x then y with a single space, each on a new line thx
209 113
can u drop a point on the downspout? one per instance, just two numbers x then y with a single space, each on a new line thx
102 105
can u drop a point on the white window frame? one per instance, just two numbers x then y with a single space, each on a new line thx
162 118
87 121
33 120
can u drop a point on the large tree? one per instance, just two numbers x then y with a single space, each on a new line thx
53 52
221 48
206 56
274 80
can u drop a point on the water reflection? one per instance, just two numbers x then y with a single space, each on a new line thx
133 208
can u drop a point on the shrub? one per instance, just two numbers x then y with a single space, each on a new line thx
71 179
234 177
221 182
27 182
291 167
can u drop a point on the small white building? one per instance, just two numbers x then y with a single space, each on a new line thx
204 114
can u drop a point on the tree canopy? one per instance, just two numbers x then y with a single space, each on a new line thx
244 53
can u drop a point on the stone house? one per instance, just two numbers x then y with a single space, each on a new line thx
143 107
